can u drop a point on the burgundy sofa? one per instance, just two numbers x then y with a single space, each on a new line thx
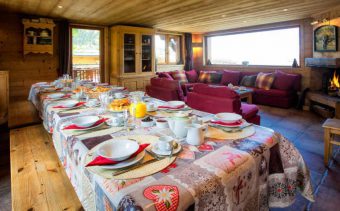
216 99
165 89
283 92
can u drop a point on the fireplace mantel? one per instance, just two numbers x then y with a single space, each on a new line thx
323 62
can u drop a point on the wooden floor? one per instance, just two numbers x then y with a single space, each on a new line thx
37 177
22 113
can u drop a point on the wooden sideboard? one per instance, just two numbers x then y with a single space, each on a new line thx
132 56
4 96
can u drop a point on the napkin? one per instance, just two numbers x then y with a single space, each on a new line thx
76 105
75 127
65 96
237 123
172 107
99 161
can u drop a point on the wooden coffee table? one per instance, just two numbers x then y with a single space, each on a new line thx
246 94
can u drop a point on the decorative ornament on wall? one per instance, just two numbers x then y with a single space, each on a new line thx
325 38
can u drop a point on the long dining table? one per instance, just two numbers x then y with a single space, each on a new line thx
260 171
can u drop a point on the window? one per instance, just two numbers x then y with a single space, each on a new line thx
277 47
168 49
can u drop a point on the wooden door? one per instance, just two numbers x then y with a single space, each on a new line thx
3 96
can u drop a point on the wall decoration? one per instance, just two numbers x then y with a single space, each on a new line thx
325 38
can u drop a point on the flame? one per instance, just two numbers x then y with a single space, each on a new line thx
334 82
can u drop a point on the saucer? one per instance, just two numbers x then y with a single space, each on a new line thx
154 148
126 163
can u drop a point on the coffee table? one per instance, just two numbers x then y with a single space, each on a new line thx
246 94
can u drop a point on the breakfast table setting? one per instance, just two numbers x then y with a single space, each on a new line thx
127 151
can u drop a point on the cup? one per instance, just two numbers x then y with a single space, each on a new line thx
162 123
150 106
116 121
119 95
165 143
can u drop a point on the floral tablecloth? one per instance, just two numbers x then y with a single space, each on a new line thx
261 171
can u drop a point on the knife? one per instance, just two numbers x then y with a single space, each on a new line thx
135 167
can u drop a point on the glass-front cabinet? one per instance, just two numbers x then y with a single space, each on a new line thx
133 56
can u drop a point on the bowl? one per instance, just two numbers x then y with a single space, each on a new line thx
70 103
85 121
175 103
117 150
228 117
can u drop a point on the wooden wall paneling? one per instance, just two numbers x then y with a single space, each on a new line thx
4 96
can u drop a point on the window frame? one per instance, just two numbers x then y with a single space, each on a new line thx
168 36
244 31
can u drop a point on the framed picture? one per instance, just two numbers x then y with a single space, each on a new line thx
325 38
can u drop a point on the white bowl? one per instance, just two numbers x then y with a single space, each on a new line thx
175 103
55 95
118 150
228 117
85 121
70 103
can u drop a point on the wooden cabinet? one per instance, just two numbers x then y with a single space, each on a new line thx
38 37
132 56
4 92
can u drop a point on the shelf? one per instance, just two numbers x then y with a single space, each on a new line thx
49 37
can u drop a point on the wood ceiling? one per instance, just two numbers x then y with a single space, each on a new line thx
174 15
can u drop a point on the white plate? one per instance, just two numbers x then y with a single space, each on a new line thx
118 88
85 121
88 128
126 163
69 103
175 103
55 95
228 117
117 150
230 126
165 153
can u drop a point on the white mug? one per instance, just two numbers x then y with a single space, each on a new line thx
119 95
165 143
162 123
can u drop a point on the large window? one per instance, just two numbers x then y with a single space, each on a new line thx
168 49
277 47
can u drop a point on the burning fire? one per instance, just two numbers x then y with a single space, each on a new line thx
334 82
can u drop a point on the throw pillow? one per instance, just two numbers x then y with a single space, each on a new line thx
248 81
165 75
214 78
232 77
192 76
264 80
203 78
286 81
179 76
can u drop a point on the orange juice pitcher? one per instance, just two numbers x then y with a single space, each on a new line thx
138 108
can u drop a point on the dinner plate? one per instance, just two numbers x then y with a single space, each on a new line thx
88 128
230 126
69 103
85 121
228 117
155 149
126 163
56 95
174 103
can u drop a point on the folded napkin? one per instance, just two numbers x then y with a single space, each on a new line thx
63 97
237 123
99 161
76 105
172 107
75 127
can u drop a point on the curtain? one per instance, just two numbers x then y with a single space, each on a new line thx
64 47
188 51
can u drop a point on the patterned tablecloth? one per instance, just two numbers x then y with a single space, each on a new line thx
261 171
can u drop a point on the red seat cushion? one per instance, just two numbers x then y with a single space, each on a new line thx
249 110
274 92
215 90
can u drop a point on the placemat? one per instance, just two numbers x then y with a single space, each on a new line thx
135 173
220 134
166 114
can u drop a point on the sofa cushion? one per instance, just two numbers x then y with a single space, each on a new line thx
179 76
264 80
248 80
214 90
274 92
286 81
247 73
203 77
165 75
214 78
232 77
192 76
249 110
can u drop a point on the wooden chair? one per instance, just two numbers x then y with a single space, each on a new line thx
331 128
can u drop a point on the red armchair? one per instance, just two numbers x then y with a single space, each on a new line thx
216 99
165 89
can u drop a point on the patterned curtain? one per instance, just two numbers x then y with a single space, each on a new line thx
188 51
64 47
